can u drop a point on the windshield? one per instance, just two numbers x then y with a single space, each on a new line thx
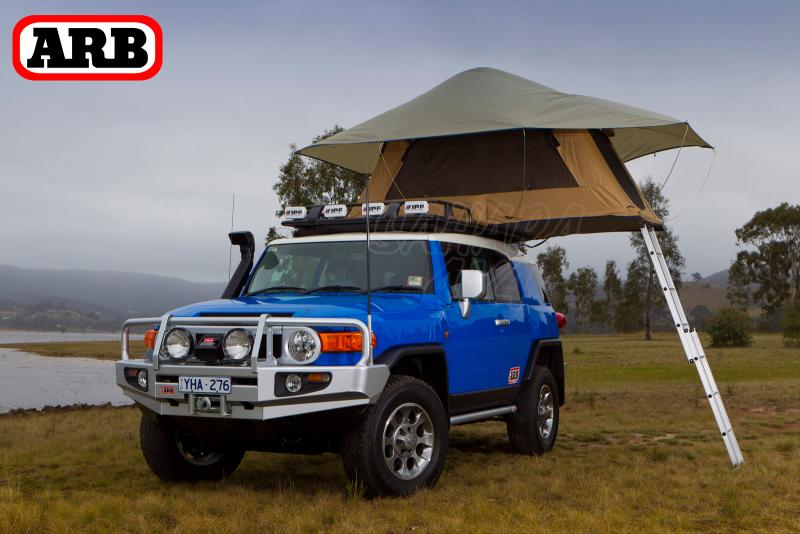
396 266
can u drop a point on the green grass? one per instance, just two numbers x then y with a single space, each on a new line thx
638 451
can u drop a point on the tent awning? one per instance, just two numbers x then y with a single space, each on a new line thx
523 158
490 100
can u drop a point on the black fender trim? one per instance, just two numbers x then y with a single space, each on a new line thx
535 357
393 356
421 353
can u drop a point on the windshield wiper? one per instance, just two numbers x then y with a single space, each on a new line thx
332 288
396 287
274 289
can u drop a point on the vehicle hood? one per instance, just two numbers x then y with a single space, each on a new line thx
397 319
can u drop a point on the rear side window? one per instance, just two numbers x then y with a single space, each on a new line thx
504 281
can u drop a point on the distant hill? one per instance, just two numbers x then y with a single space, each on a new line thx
55 315
719 279
94 298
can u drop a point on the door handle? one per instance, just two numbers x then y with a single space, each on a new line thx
502 322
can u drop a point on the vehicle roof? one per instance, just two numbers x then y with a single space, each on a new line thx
509 251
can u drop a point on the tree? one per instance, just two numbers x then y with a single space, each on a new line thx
738 292
583 284
696 277
599 313
273 234
651 296
304 181
612 287
700 315
791 326
772 262
552 263
730 328
630 313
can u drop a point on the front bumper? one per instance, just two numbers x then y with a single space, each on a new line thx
253 395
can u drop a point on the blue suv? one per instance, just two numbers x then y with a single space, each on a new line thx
461 331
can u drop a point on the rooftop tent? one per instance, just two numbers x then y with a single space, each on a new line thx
524 158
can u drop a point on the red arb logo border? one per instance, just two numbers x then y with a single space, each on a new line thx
38 76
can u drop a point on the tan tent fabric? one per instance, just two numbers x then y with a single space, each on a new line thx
484 100
387 168
597 194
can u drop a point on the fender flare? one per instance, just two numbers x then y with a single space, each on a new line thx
395 355
553 346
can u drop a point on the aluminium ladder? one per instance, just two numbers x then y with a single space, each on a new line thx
691 345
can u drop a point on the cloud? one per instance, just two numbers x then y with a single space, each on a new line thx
139 176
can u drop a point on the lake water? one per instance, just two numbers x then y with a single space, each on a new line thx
31 381
22 336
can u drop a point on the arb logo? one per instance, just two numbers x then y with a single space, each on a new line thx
87 47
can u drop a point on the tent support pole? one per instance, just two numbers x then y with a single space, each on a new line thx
692 346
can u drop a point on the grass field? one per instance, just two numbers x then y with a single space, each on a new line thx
638 450
101 350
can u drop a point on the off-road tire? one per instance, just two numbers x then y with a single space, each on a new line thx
523 425
363 453
157 438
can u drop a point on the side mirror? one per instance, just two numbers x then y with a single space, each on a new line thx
473 286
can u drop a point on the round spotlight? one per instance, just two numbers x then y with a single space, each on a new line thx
237 345
302 345
141 378
177 344
294 383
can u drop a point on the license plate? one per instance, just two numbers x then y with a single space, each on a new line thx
214 385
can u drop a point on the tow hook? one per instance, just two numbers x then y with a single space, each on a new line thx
208 404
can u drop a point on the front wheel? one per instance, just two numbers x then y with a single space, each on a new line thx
176 455
532 429
400 444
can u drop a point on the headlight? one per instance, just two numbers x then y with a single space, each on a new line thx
237 345
177 344
301 344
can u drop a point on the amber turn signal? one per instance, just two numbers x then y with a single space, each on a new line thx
150 339
342 341
318 378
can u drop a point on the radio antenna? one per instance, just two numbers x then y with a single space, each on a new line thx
369 287
230 248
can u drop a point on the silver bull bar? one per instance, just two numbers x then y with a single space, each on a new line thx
253 394
263 324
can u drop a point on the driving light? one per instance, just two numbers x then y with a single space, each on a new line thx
301 344
177 344
237 345
141 378
293 383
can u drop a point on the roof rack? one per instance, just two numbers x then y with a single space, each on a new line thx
388 216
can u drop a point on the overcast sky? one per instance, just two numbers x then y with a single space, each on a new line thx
138 176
